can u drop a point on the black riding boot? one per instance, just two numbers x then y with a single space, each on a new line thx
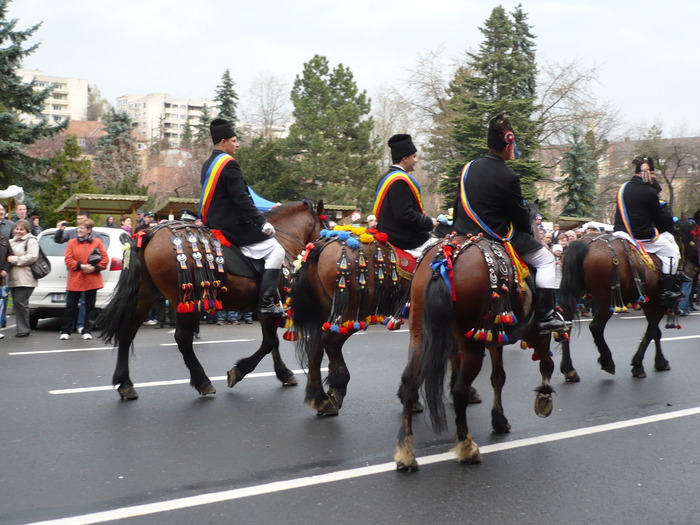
547 319
268 301
670 293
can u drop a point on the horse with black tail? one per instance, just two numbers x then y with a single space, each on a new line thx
467 298
348 280
188 265
617 277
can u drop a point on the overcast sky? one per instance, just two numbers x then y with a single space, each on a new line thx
648 52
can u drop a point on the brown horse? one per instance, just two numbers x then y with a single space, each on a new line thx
465 299
160 265
344 285
616 277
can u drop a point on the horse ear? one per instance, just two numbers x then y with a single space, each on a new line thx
319 207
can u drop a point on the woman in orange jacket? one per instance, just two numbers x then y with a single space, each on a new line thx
85 258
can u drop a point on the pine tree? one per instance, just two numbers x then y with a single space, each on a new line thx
500 76
578 187
227 98
16 98
117 165
334 155
267 171
187 136
70 173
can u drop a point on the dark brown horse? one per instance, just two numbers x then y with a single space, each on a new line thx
344 285
614 274
160 265
466 299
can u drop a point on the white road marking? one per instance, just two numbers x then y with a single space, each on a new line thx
196 343
67 350
343 475
165 383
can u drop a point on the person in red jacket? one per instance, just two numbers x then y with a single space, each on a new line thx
85 257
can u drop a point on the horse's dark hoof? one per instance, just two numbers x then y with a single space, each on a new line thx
336 397
128 394
290 381
662 368
543 405
206 389
417 407
328 412
607 367
572 377
233 376
499 422
474 397
640 373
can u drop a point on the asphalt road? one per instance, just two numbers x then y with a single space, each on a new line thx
615 450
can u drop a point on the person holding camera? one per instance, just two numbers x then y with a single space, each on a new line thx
85 258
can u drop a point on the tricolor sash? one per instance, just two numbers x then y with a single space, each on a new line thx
520 266
387 181
626 221
210 181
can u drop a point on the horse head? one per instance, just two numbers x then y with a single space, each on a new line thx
297 223
686 233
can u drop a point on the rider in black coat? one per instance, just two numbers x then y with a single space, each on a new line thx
494 194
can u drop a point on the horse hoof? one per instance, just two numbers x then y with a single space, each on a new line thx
128 394
543 405
572 377
290 381
417 407
412 467
663 368
233 376
327 412
474 397
641 374
335 397
206 389
499 423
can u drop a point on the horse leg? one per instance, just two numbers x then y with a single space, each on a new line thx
466 449
184 334
338 374
543 400
566 366
121 378
499 422
315 397
405 456
270 344
597 328
652 333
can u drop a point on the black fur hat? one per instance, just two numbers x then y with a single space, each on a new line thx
221 130
639 160
401 146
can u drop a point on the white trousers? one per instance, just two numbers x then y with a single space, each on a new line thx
664 247
418 251
269 249
545 263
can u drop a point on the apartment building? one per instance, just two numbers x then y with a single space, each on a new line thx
69 98
159 115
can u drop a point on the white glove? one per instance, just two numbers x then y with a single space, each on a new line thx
268 229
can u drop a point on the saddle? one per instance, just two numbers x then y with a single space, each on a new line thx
238 264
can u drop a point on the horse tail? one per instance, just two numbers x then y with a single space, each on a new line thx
572 286
306 308
118 314
437 346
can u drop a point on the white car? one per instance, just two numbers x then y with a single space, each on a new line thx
49 297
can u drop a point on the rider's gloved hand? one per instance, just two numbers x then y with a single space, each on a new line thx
268 229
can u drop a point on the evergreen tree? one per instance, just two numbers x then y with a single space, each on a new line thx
334 155
202 135
117 165
227 98
578 187
500 76
187 136
16 98
267 171
70 173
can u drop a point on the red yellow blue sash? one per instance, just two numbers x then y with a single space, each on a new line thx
626 221
520 266
210 181
387 181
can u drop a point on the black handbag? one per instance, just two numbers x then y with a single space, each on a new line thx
42 266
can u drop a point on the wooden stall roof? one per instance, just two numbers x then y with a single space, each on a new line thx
174 206
103 204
